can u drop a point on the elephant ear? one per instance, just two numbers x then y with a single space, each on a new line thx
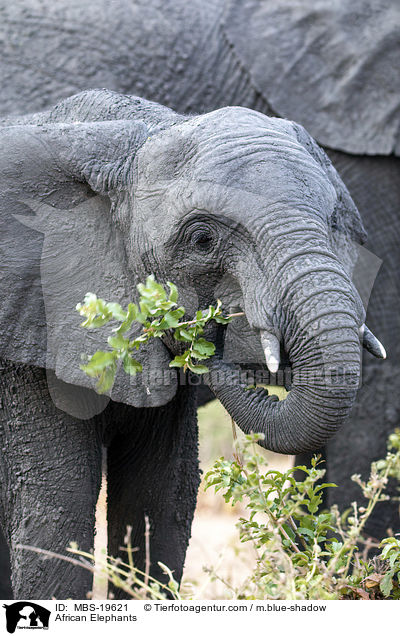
65 195
332 66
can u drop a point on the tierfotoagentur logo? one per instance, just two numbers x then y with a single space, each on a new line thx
26 615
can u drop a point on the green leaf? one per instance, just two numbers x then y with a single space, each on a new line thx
149 308
116 311
132 315
106 379
98 362
198 356
118 341
388 546
90 299
386 584
314 503
171 318
131 366
152 290
95 311
185 335
204 347
173 294
94 323
142 339
180 361
322 486
222 320
197 368
157 312
335 546
393 558
307 532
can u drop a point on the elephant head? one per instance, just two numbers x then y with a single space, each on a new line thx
230 204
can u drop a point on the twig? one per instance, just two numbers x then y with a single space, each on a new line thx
237 455
49 554
128 543
214 574
295 530
147 548
112 570
193 322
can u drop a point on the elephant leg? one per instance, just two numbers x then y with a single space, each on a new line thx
50 479
153 471
5 573
362 441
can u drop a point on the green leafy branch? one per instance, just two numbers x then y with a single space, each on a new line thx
158 313
301 550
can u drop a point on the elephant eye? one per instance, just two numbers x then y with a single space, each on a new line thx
202 239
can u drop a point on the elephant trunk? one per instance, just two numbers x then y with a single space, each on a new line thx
320 334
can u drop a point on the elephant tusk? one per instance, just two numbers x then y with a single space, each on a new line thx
371 344
271 347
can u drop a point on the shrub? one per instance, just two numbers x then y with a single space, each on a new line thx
303 551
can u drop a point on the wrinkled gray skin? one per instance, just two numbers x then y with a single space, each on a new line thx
231 204
203 55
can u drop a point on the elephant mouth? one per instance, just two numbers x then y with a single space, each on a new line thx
271 365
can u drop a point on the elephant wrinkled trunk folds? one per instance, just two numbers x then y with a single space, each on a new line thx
320 334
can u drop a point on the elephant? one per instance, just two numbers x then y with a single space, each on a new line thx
100 191
332 69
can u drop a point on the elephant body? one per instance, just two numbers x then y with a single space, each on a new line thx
200 56
97 193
